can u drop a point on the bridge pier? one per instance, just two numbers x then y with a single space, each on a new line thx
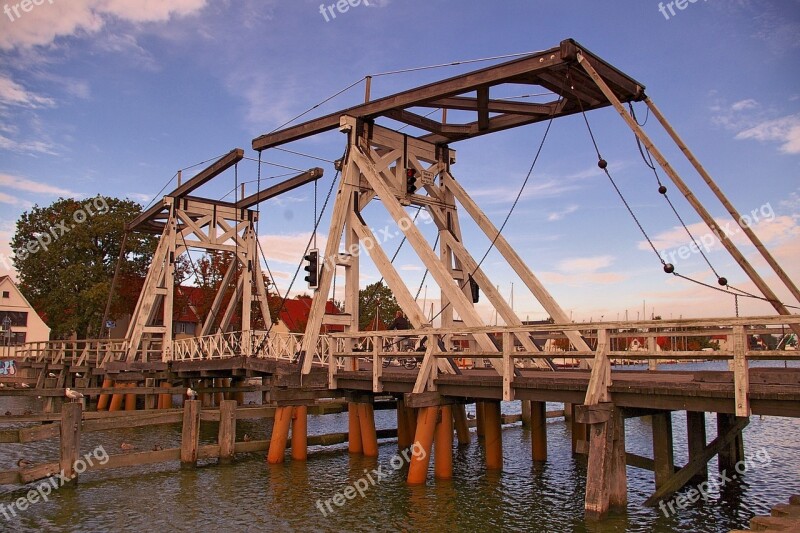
606 477
299 432
423 442
443 458
354 429
734 452
493 439
280 435
369 437
538 425
479 420
405 431
462 428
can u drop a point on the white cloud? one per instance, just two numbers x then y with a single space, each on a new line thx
12 93
580 265
559 215
36 147
51 20
744 104
7 199
784 130
23 184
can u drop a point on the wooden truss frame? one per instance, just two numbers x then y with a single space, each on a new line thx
187 222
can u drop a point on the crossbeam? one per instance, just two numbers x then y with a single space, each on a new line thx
553 69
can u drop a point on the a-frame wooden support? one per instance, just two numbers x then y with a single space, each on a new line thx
209 226
377 160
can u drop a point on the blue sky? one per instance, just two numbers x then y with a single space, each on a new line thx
113 96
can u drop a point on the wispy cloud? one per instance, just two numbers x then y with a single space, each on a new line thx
559 215
785 130
14 94
752 121
33 147
22 184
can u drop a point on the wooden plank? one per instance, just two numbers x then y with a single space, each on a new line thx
741 372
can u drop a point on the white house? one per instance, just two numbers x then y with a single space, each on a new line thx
19 322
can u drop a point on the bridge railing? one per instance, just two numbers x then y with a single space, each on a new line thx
261 344
85 352
735 340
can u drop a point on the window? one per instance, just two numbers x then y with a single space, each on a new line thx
6 294
19 319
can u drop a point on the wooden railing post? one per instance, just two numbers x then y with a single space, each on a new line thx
508 367
741 375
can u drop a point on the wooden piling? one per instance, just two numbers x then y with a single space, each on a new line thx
280 434
190 433
150 400
462 427
116 399
443 458
606 482
423 441
227 431
404 435
130 399
579 435
71 414
696 435
369 437
526 413
165 400
734 452
538 425
663 456
480 427
493 435
299 433
104 399
354 429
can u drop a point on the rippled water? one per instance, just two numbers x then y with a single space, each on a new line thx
252 495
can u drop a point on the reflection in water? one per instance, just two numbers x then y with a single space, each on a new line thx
252 495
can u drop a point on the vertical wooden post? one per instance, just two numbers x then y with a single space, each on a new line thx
480 419
567 412
606 484
663 456
280 434
165 400
190 434
104 399
443 459
462 429
696 435
734 452
369 437
300 433
404 436
618 482
238 396
423 441
526 413
538 423
494 435
579 434
130 399
354 429
71 414
150 400
227 431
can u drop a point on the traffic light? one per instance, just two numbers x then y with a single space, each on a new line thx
312 278
475 290
411 180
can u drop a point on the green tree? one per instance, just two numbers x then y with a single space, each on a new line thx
65 255
376 298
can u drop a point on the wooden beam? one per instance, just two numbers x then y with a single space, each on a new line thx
215 169
494 106
685 474
281 188
729 245
525 68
